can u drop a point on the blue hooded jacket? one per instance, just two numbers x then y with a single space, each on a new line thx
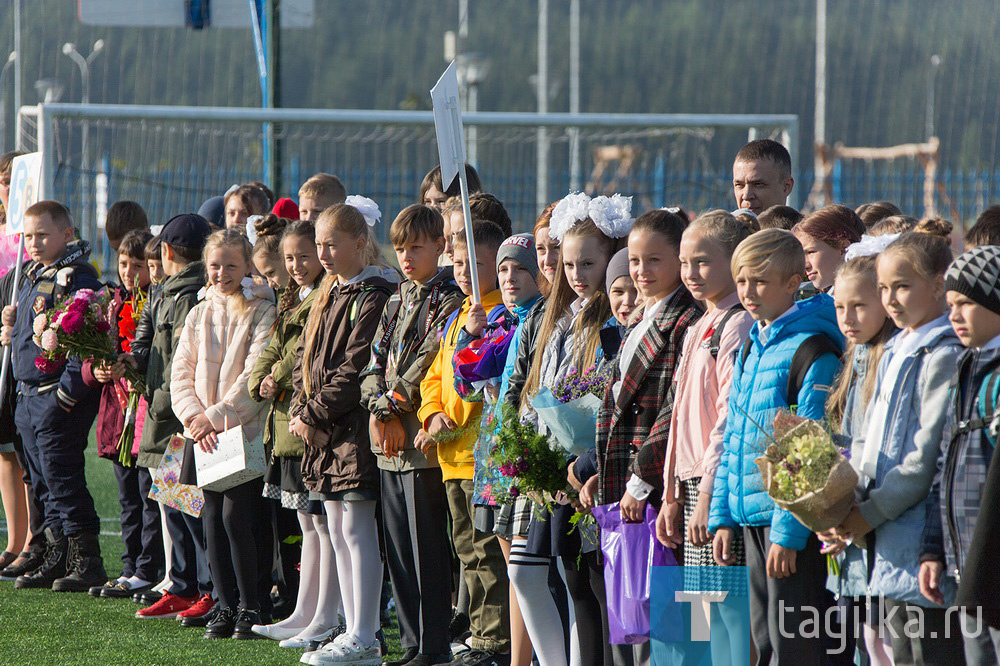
760 384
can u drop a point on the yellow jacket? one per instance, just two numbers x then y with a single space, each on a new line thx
438 394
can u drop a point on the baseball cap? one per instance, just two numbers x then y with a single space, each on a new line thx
186 230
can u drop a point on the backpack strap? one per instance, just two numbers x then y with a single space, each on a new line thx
808 353
745 350
716 339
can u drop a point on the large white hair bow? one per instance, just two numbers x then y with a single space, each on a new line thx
366 207
612 215
869 246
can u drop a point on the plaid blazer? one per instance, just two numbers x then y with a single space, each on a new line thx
632 431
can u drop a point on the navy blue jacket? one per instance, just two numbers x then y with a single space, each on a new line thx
40 288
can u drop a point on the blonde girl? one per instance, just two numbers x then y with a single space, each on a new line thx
315 614
222 338
338 466
906 423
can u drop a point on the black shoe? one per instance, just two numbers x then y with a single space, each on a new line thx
147 598
245 619
407 657
222 624
84 563
430 659
383 648
458 626
123 591
32 560
482 658
97 590
52 568
202 621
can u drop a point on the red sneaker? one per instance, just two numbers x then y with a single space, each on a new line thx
201 607
168 606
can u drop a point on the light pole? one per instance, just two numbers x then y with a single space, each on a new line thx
473 69
3 96
931 76
69 49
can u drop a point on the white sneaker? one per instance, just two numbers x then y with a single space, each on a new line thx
275 632
307 658
347 650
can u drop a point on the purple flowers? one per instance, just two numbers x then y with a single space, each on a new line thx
576 385
514 492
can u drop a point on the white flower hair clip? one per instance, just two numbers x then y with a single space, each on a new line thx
247 284
252 228
366 207
612 215
869 246
571 209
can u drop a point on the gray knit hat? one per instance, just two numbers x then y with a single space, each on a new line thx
976 274
617 267
520 248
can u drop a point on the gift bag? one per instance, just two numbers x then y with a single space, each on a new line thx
629 549
167 488
236 460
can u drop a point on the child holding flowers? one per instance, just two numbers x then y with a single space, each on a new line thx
56 408
785 570
589 232
906 423
142 558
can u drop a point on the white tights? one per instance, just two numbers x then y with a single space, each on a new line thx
319 591
354 534
529 574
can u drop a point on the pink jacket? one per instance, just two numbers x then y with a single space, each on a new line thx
216 353
701 399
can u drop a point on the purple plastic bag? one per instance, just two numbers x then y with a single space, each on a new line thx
630 549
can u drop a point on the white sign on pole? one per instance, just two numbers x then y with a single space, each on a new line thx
451 152
448 124
25 181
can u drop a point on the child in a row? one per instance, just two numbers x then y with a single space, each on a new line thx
338 465
222 338
413 501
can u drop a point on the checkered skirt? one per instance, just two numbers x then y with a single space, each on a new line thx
698 561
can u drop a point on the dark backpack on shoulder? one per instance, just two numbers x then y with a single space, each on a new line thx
808 353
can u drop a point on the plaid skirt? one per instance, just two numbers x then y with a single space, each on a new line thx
513 520
283 484
700 569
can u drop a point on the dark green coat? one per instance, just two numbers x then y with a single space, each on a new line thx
278 360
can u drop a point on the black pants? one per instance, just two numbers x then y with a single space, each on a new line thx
54 442
189 573
415 515
938 641
287 552
240 545
586 587
780 606
140 521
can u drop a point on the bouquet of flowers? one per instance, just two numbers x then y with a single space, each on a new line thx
128 319
528 462
569 410
806 474
76 327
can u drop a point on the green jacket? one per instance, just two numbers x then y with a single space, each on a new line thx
178 294
401 356
278 360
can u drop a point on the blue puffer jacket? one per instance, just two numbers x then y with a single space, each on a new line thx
919 415
758 392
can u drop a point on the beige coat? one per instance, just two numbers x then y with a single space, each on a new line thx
214 358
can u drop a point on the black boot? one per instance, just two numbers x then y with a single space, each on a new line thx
53 565
84 563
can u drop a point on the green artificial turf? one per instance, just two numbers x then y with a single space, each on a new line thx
44 627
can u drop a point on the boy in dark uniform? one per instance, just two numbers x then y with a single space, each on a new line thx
55 410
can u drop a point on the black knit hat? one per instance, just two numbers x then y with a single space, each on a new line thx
976 274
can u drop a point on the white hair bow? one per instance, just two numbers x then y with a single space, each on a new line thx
366 207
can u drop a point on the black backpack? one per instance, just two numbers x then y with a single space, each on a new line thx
716 339
808 352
